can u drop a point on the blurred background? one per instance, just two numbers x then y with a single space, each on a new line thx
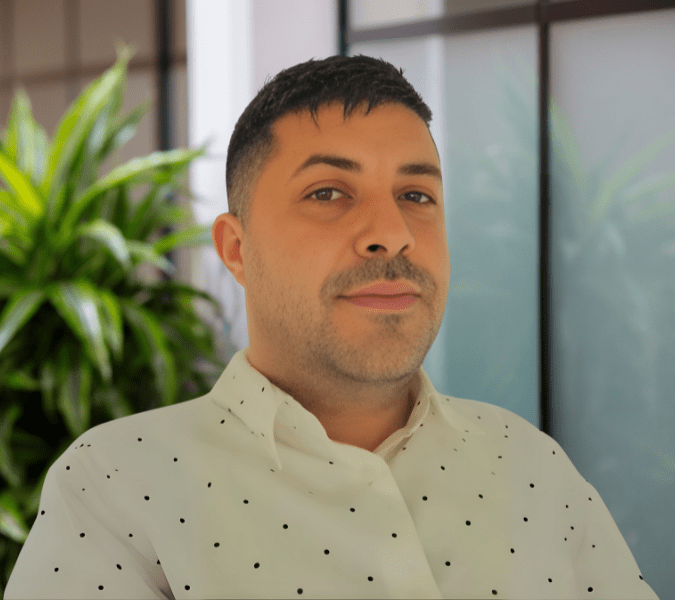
556 129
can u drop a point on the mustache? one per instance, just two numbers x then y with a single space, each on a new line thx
377 269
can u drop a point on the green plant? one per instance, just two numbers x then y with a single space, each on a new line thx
85 334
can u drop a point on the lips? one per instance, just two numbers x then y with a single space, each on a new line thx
384 303
397 288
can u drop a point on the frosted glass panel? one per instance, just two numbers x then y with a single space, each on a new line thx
487 349
364 14
613 280
486 102
379 13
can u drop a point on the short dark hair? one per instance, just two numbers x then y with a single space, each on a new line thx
352 80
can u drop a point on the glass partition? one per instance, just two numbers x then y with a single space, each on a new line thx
483 96
613 271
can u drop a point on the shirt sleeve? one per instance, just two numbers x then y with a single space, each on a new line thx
604 566
84 543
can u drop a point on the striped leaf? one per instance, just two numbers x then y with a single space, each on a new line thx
145 252
12 213
23 305
75 126
9 470
26 141
26 196
109 235
12 524
197 235
77 304
20 380
153 343
124 173
111 315
121 132
74 392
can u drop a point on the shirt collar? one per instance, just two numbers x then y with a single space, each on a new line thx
275 416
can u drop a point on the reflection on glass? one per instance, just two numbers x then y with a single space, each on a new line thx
613 270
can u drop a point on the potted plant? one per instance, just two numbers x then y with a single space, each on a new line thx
85 334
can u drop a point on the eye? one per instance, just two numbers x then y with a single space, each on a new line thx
325 195
429 199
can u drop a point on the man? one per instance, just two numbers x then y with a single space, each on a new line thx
324 464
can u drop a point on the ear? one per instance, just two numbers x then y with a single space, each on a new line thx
227 238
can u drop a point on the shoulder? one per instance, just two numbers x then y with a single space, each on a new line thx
525 445
133 440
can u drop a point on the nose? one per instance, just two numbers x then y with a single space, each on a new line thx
383 230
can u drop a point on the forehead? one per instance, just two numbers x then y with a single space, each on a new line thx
295 131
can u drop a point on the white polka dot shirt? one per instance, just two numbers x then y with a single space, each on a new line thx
241 494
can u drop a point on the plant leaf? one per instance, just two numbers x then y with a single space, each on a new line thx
75 126
77 304
111 313
10 471
23 305
26 140
9 285
12 524
649 187
13 215
120 216
197 235
567 150
146 253
109 235
48 378
88 160
20 380
612 186
27 197
120 133
124 173
176 288
154 345
143 218
12 251
20 106
171 214
28 448
74 391
114 403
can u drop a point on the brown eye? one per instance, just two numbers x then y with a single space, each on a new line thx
420 195
324 195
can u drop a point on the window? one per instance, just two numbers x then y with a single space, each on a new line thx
561 226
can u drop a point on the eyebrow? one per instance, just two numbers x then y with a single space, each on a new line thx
348 164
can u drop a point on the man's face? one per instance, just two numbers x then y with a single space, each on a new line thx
306 248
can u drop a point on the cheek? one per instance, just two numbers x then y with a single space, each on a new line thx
437 253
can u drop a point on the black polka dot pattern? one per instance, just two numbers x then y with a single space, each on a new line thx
240 493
